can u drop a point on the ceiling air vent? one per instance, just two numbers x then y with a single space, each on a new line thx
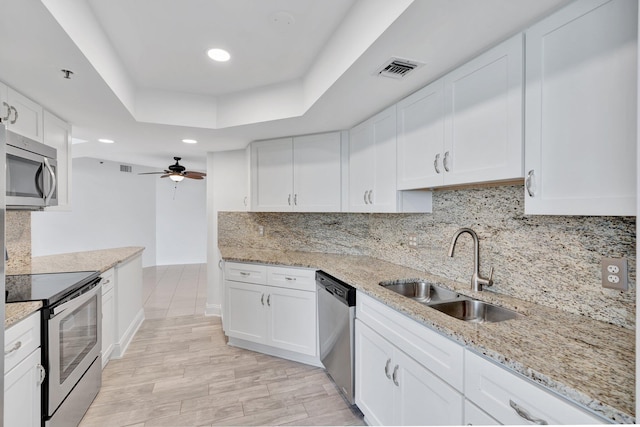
126 168
397 68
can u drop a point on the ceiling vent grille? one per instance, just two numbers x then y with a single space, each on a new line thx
397 68
126 168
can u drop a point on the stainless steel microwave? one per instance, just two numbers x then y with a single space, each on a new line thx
31 173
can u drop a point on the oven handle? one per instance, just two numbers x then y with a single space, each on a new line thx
77 299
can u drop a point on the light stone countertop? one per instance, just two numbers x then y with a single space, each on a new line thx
98 260
590 362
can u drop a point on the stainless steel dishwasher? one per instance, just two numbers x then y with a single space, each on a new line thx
336 314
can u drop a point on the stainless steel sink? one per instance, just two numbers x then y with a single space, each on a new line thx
421 291
476 311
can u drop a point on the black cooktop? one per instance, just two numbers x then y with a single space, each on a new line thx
48 287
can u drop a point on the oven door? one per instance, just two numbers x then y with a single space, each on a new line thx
74 338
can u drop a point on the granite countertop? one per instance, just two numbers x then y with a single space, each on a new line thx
588 361
98 260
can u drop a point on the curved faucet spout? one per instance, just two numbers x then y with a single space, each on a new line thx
477 281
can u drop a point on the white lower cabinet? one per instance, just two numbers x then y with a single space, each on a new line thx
474 416
108 315
394 389
513 400
23 373
272 310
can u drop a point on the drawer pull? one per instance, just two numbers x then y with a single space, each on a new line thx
525 414
289 278
245 274
16 347
42 374
386 368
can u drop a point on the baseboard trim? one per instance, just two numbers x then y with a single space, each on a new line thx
277 352
213 310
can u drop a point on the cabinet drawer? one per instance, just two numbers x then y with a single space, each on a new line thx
497 391
293 278
248 273
20 340
107 281
439 354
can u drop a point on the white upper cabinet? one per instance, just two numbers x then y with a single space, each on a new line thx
372 164
57 134
20 114
581 77
466 127
301 174
271 175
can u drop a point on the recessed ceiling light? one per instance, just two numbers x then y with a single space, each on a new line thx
219 55
106 141
189 141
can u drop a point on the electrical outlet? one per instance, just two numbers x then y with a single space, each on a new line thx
413 241
614 273
261 230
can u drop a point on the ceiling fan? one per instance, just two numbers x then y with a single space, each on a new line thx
177 172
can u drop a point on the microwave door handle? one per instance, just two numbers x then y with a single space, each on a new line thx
53 181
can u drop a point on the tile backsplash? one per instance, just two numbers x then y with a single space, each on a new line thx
549 260
18 241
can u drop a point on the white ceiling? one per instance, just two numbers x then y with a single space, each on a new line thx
142 77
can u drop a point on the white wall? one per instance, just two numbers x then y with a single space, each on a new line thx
109 209
181 221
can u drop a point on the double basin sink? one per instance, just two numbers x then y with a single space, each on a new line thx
450 302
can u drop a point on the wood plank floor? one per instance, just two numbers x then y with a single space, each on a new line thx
179 371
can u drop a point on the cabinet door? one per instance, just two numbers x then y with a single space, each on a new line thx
317 173
421 138
272 175
246 315
361 167
29 116
424 399
57 134
292 320
373 376
483 132
581 116
384 194
22 391
474 416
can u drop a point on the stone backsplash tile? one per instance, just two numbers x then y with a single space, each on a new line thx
18 241
549 260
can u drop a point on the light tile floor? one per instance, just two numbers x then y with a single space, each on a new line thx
179 371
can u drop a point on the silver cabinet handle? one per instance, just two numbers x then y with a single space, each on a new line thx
435 163
369 197
15 347
106 282
6 118
295 199
220 264
290 278
445 161
289 200
269 300
395 375
530 184
15 115
386 368
365 197
42 374
262 299
525 414
245 274
244 201
54 183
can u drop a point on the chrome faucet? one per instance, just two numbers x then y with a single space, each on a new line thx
477 281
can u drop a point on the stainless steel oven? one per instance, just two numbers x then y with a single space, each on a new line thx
74 345
30 173
71 339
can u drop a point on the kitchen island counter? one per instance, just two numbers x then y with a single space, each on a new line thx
585 360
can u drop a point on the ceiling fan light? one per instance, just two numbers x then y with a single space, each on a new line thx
176 178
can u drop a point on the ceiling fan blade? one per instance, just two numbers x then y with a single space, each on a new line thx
150 173
166 175
194 174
